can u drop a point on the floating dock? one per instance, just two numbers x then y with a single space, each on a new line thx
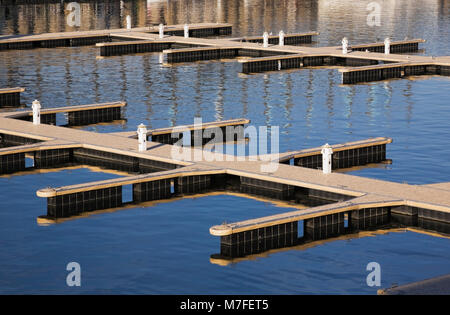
229 128
132 47
398 47
267 57
197 30
10 97
71 39
289 39
276 58
336 203
331 197
344 155
201 53
392 71
78 115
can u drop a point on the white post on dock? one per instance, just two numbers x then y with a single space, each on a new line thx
142 137
128 22
345 45
186 31
266 39
387 46
161 31
36 106
281 41
327 153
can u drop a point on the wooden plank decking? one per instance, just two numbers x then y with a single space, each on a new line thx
12 90
250 45
358 193
336 148
67 109
168 130
285 174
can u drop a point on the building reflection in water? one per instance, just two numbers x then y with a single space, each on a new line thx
387 103
288 104
68 79
309 95
330 98
371 101
349 97
267 100
244 96
219 102
407 93
173 108
244 15
198 91
148 82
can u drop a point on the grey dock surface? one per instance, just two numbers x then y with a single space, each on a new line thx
434 286
288 56
335 203
159 175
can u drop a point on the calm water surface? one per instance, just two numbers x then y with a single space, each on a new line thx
166 248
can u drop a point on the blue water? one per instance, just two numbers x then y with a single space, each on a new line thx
166 248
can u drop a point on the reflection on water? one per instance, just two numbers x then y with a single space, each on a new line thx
225 261
165 247
42 219
333 19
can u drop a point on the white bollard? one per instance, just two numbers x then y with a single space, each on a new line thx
128 22
161 31
186 31
281 41
345 45
142 137
36 106
327 153
266 39
387 46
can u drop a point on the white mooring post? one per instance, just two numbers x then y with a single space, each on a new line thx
345 45
142 137
327 153
36 106
266 39
128 22
281 41
186 31
161 31
387 46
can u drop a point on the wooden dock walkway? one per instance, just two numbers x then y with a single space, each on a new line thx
167 131
333 200
289 39
69 39
332 196
271 58
76 115
10 97
345 155
276 58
